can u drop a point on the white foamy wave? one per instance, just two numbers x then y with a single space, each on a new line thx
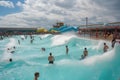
89 60
65 61
44 36
22 36
99 45
7 53
68 62
99 58
61 39
6 56
12 43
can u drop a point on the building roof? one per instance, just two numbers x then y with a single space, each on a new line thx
17 29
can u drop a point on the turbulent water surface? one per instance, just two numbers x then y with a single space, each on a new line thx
28 58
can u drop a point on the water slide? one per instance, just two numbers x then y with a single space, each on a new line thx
66 28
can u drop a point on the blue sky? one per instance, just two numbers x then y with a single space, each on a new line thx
4 10
44 13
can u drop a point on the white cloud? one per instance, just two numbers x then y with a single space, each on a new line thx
7 4
19 3
45 13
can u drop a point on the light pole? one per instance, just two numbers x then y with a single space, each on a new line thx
86 21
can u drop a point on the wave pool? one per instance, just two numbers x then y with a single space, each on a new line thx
28 58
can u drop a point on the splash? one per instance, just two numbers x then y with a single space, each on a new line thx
62 39
99 58
7 53
22 36
28 59
44 36
12 43
99 45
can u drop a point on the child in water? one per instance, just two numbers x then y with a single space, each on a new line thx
105 47
85 53
82 57
36 75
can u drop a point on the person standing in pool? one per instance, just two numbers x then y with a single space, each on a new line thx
18 41
85 52
113 42
67 50
36 75
51 59
105 47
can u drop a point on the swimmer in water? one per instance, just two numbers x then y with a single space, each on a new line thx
14 47
43 49
67 49
113 42
18 41
10 59
51 59
105 47
85 52
36 75
82 57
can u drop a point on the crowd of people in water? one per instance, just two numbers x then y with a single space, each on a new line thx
11 50
51 58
